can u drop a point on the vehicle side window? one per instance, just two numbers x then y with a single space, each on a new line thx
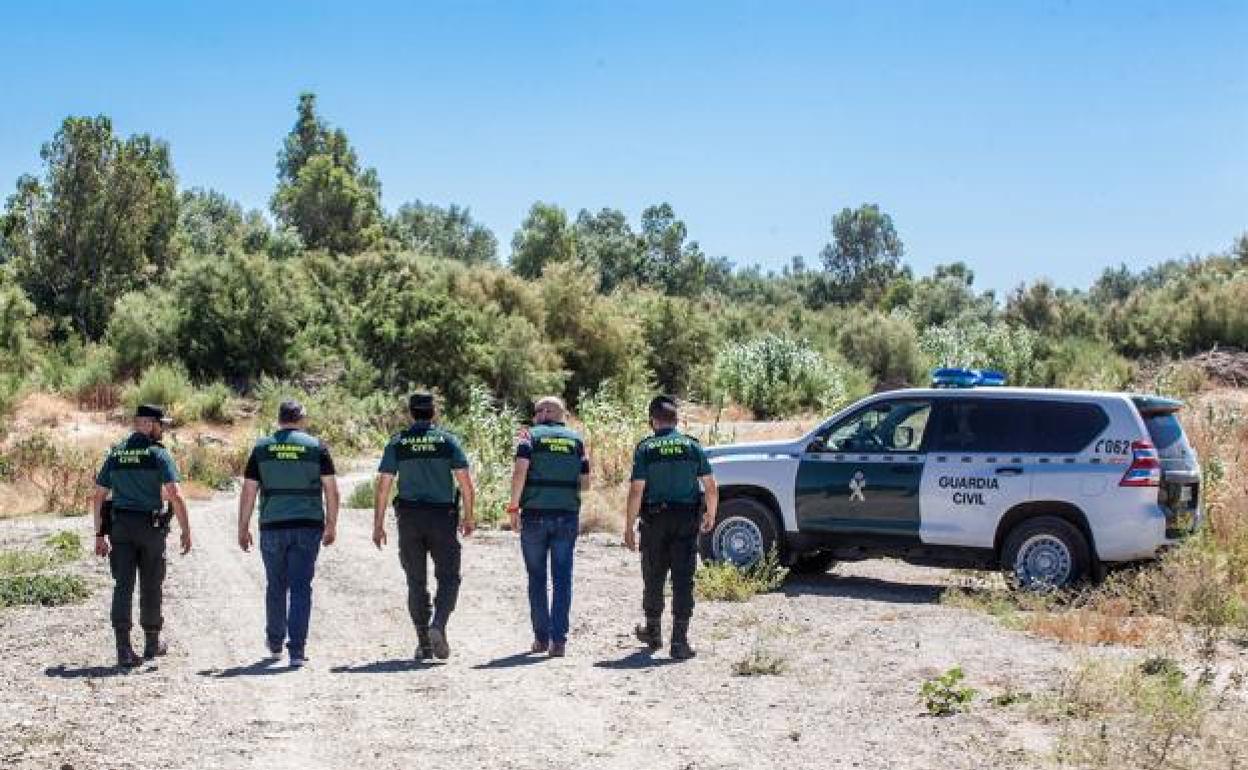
889 426
1063 427
1012 425
981 425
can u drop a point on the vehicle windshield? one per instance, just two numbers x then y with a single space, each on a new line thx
894 426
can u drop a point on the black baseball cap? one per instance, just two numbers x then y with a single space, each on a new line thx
152 412
290 410
420 402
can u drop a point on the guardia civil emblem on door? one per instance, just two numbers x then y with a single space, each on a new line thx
856 485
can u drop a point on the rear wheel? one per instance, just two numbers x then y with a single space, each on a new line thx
813 563
744 532
1045 553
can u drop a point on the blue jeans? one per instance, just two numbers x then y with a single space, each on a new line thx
554 537
289 563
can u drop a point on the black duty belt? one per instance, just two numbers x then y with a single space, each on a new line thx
660 509
135 511
557 483
293 492
416 506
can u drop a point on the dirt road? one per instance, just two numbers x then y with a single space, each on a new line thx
856 645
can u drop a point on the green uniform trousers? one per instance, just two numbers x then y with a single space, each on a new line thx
138 549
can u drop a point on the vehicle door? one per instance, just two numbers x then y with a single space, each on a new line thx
978 467
862 475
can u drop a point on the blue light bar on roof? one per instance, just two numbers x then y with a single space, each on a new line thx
955 377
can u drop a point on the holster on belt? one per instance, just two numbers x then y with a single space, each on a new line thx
161 519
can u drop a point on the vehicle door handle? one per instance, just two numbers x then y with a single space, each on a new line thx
1009 470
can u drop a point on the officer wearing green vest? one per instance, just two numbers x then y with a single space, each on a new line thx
668 468
429 463
551 469
131 528
294 475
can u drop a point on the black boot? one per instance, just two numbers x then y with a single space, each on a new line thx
680 641
424 647
650 634
126 656
152 646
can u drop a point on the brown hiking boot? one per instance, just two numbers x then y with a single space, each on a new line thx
539 647
558 649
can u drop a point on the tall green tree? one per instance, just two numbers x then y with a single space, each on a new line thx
99 223
211 223
544 238
674 264
607 243
449 232
322 192
864 255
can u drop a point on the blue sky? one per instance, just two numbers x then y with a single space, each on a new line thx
1028 139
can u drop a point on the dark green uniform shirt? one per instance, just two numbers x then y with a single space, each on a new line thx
670 463
424 457
557 460
289 466
135 470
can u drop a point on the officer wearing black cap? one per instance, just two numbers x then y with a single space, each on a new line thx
130 528
294 475
668 468
429 464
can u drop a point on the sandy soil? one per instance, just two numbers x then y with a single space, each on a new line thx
857 644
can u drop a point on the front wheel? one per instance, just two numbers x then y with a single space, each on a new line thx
745 531
1044 554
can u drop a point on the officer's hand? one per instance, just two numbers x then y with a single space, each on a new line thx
513 517
630 539
244 540
379 537
467 527
331 534
708 524
102 547
186 542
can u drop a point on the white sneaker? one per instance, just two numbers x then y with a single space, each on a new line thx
297 662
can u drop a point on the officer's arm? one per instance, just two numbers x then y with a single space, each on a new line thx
518 474
711 490
468 491
247 504
381 499
97 505
172 492
636 488
330 486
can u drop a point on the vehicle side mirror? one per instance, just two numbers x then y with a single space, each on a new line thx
818 445
903 437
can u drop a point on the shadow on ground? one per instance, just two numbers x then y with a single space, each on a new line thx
384 667
513 661
262 667
636 660
867 588
87 672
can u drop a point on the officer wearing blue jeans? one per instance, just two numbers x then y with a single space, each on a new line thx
292 472
551 470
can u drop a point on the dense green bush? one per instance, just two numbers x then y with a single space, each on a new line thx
1086 365
142 331
973 343
681 341
212 403
776 376
165 385
886 346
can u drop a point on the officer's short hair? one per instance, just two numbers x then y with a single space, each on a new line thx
663 409
290 411
554 401
421 406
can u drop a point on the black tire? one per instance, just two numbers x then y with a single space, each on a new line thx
1057 554
733 524
813 563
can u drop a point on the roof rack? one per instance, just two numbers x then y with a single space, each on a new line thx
956 377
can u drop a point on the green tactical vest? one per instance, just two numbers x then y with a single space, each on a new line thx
290 477
424 457
553 482
672 463
135 470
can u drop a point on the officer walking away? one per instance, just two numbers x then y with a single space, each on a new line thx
667 470
429 464
551 470
294 475
131 528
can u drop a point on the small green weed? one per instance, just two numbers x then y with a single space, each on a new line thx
760 662
66 544
726 582
946 695
42 590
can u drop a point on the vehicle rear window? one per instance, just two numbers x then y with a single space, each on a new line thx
1013 425
1165 430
